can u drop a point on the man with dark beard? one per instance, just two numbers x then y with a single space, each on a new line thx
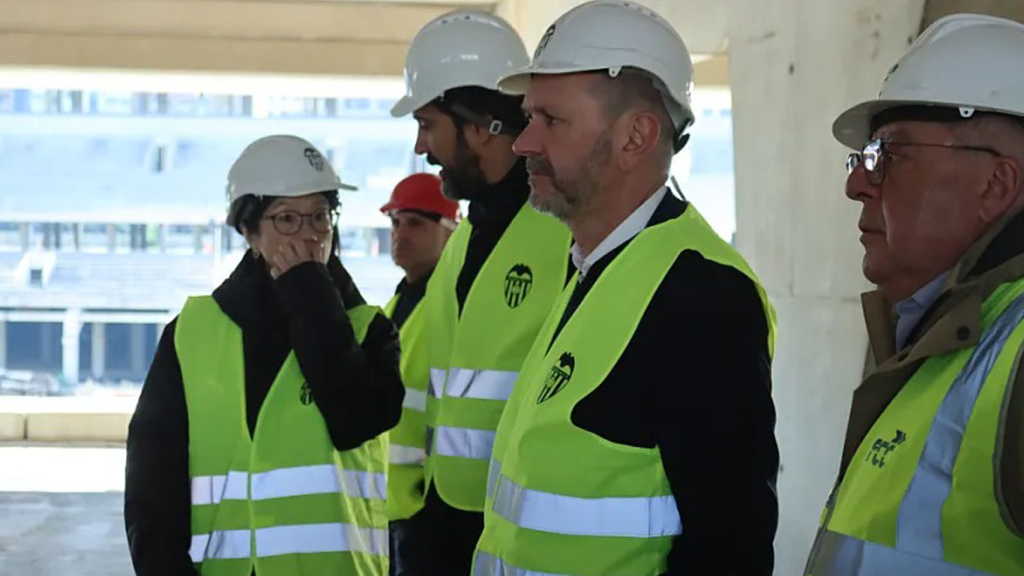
496 282
639 438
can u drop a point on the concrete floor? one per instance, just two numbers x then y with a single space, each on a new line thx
60 511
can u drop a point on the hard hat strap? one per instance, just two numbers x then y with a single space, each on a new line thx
680 141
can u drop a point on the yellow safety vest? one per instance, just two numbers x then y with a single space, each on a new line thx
284 501
475 356
407 447
919 494
562 500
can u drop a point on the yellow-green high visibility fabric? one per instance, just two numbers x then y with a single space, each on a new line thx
562 500
475 357
407 447
919 495
284 502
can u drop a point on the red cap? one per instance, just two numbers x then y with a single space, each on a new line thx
421 192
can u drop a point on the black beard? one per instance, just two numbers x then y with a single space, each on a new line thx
463 179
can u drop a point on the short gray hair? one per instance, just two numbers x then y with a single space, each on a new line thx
635 88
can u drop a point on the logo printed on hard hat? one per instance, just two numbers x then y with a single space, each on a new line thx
316 160
544 41
558 377
306 394
518 282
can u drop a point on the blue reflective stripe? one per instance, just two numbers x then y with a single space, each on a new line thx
480 384
488 565
289 539
841 555
629 517
472 383
919 525
288 482
406 455
468 443
493 472
437 378
415 400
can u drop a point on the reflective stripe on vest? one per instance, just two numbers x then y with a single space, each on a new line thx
437 376
295 539
493 474
563 500
476 384
480 384
460 442
288 482
919 547
841 555
415 400
627 517
406 455
487 565
919 527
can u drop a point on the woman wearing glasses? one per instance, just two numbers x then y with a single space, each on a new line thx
256 445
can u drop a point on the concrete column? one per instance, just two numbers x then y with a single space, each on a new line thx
795 65
70 342
3 344
99 349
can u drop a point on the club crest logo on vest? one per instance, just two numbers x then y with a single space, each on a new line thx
518 282
882 448
315 159
558 377
305 394
544 41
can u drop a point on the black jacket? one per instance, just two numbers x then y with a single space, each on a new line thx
695 381
357 389
409 296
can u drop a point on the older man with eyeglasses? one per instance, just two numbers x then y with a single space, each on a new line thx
931 480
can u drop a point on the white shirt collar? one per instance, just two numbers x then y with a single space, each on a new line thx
628 228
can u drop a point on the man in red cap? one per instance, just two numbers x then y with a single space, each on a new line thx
422 220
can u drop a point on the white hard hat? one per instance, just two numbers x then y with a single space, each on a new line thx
279 166
968 62
460 48
612 35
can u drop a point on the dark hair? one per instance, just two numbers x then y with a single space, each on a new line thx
484 103
250 211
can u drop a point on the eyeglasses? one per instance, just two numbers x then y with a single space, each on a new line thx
289 223
875 155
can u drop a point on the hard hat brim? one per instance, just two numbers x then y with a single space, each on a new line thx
232 215
406 105
410 103
515 82
853 127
